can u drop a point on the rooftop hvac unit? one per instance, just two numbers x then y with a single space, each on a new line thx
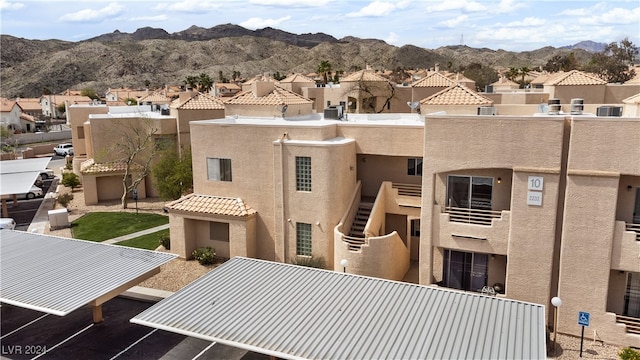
333 112
488 89
486 110
609 111
554 106
577 106
165 112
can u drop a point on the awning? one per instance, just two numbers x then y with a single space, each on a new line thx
17 176
59 275
297 312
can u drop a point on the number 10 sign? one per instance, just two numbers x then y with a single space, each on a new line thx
534 195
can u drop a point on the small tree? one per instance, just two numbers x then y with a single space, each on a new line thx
65 199
173 173
90 92
135 147
71 180
613 63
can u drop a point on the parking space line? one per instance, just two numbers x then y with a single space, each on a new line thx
134 344
63 341
203 351
23 326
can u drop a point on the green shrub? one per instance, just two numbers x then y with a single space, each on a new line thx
629 354
318 262
68 165
165 240
65 199
71 180
205 255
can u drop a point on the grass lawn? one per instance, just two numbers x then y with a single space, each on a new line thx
149 241
100 226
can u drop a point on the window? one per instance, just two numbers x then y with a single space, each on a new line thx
415 228
219 231
470 192
219 169
303 239
414 166
303 173
80 132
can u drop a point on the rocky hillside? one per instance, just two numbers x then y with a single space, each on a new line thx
155 57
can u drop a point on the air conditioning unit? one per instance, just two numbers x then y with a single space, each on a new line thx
609 111
577 106
488 89
334 112
486 110
554 106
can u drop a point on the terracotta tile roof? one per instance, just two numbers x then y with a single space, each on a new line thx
505 81
59 99
277 96
434 80
30 104
231 86
91 167
456 95
156 98
297 78
458 78
575 77
541 79
216 205
363 75
200 102
27 117
634 99
6 105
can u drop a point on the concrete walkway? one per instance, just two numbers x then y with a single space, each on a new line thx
136 234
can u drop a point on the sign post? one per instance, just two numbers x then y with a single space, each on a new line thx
135 197
583 320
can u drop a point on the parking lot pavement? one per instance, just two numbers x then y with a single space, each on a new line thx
25 210
29 334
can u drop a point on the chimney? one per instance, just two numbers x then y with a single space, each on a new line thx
437 67
262 88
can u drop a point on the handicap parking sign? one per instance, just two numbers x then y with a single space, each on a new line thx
583 318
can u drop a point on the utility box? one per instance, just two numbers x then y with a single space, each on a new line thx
58 219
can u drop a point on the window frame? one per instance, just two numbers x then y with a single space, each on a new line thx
303 173
224 170
414 166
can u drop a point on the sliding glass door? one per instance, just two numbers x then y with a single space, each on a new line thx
465 270
470 192
632 296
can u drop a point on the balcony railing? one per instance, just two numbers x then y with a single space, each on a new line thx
635 228
472 216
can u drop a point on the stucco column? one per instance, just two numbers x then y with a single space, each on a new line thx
427 231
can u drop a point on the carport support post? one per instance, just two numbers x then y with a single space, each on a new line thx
97 314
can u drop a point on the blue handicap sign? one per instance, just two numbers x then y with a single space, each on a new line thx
583 318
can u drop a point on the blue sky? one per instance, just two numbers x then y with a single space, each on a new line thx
514 25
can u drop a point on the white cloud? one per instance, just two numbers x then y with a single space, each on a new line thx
392 38
464 5
615 16
378 9
508 6
526 22
5 5
259 23
584 11
109 11
188 6
452 23
290 3
150 18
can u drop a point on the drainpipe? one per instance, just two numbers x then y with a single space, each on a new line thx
284 223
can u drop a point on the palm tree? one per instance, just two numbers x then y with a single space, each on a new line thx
324 68
524 71
191 81
512 73
205 82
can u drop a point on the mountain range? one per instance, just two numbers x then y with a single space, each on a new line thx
152 57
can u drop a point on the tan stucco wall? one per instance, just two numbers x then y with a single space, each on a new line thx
77 115
591 94
268 110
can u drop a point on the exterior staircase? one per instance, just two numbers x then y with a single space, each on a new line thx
633 324
360 220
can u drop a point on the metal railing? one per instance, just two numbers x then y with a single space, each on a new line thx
472 216
635 228
408 189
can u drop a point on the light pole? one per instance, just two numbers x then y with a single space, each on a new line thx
556 302
344 264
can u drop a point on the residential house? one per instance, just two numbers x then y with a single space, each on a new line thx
226 89
11 116
50 103
456 99
266 98
124 94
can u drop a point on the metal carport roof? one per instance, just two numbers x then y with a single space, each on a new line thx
58 275
297 312
17 176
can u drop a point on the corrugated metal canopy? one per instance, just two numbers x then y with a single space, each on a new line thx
17 176
58 275
295 312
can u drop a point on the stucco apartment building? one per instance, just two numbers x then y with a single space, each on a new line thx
533 206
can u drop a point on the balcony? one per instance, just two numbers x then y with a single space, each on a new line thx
472 216
625 252
634 228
